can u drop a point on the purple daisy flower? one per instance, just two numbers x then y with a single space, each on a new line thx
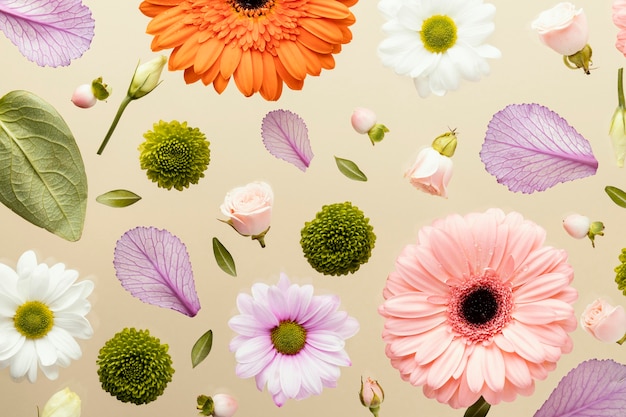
290 339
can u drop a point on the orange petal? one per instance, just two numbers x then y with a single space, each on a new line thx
190 76
164 20
322 28
272 84
175 35
311 59
208 53
231 55
291 58
244 74
220 83
291 82
257 69
348 2
184 56
151 10
327 61
209 75
328 9
313 42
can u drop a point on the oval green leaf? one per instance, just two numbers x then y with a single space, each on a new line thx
479 409
224 259
42 175
350 169
118 198
618 196
201 348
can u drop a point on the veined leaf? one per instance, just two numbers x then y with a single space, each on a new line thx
118 198
479 409
42 176
286 137
224 259
618 196
350 169
201 348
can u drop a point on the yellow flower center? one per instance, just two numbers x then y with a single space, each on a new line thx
288 337
33 319
438 33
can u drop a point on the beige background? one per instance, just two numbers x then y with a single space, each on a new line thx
527 72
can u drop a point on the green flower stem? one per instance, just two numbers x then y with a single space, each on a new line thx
620 88
121 109
375 410
622 340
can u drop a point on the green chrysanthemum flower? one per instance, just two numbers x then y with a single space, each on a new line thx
338 240
620 270
174 155
134 366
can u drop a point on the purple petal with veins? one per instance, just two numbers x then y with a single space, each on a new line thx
48 32
529 148
286 137
153 265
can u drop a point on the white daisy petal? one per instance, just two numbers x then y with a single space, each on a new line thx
46 351
290 376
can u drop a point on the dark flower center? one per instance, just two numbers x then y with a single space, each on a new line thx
288 337
252 8
479 306
251 4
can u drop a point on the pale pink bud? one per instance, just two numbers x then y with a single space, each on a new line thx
577 226
83 96
431 172
371 394
224 405
363 120
603 321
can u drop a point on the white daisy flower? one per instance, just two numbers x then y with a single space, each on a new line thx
437 42
42 311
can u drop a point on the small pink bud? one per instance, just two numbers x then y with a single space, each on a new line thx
577 226
83 96
363 120
224 405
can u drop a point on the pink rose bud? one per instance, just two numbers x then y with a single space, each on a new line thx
371 394
431 172
249 209
563 28
83 96
577 226
603 321
224 405
363 120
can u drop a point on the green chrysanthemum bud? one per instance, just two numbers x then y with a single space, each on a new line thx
174 155
620 271
134 366
338 240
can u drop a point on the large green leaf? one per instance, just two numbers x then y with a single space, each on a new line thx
42 176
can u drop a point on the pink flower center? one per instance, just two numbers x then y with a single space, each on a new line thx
480 307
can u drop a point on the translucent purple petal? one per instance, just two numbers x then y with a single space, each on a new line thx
595 388
48 32
153 265
529 148
286 137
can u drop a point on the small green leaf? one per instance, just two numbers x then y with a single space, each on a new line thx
42 175
118 198
201 348
350 169
223 257
479 409
618 196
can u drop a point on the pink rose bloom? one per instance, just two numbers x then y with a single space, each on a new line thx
249 208
431 172
603 321
224 405
619 18
563 28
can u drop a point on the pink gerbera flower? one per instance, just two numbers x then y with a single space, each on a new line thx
478 307
290 339
619 18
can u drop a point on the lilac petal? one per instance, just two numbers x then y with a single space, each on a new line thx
48 32
595 388
153 265
530 148
286 137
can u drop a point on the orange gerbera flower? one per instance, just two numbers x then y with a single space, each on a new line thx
260 43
